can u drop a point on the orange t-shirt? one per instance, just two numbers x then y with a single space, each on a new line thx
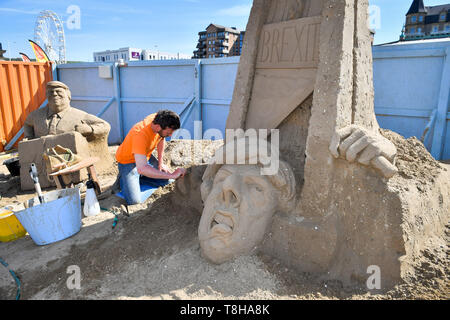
140 140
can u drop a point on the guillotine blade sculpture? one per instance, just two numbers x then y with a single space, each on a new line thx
336 206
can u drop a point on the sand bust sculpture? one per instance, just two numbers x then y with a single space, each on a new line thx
59 117
240 201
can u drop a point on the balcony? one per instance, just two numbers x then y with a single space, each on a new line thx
199 54
416 34
438 32
223 36
222 50
201 45
221 44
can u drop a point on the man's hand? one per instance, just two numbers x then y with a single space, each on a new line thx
84 129
162 167
180 172
368 148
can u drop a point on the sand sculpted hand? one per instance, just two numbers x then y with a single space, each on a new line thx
356 143
84 129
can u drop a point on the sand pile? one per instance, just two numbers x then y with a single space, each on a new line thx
413 159
419 175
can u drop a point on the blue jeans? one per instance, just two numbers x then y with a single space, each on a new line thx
130 182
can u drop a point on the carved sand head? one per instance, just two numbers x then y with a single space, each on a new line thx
239 203
58 95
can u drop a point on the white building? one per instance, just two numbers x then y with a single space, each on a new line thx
136 54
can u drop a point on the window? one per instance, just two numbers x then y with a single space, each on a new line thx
413 19
435 29
420 18
412 30
447 28
419 30
443 16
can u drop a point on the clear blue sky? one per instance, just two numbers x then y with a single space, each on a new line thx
172 25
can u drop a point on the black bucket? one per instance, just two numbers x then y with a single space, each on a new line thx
13 166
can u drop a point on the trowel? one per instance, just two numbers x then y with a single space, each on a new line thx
37 186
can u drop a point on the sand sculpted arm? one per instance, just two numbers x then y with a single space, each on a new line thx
93 126
355 143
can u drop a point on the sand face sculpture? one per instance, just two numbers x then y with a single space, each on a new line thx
240 203
306 70
59 123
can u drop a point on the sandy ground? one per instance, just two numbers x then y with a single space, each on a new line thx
154 254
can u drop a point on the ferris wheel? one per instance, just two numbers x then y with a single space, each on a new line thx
49 34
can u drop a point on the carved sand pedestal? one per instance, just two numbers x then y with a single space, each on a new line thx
306 69
32 150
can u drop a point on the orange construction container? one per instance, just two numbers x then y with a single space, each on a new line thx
22 90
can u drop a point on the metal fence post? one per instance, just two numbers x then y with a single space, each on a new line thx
55 72
441 118
117 95
198 129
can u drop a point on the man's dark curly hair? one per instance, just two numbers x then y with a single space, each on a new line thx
167 119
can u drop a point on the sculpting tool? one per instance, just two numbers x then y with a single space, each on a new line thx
37 186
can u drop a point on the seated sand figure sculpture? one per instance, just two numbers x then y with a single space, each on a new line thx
306 70
59 123
59 117
240 202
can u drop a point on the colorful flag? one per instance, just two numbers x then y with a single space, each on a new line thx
24 57
41 56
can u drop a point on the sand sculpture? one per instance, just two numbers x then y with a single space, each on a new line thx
306 70
240 203
59 123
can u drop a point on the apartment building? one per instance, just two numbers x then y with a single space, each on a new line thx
136 54
426 22
219 41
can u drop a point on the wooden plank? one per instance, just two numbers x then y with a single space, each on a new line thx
77 167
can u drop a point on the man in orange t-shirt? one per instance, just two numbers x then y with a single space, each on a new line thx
136 163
